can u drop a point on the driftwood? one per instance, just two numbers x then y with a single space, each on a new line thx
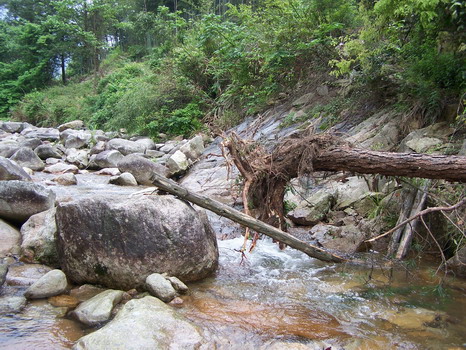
224 210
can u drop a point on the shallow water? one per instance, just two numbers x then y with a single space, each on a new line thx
279 300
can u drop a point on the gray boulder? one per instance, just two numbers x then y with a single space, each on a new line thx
11 127
457 263
118 242
108 159
99 308
52 283
75 124
345 239
11 171
26 157
3 273
19 200
193 148
125 179
49 134
32 143
67 179
79 158
39 242
61 168
177 163
144 324
47 151
160 287
98 147
75 138
313 210
141 168
7 149
12 304
148 143
10 239
126 147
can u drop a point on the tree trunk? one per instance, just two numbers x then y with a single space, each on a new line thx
243 219
63 69
450 168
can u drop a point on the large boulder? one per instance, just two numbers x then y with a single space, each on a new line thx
11 171
41 133
107 159
39 242
177 163
99 308
193 148
79 158
141 168
7 149
19 200
118 242
125 179
61 168
26 157
144 324
75 124
52 283
313 210
75 138
47 151
10 239
32 143
126 147
11 127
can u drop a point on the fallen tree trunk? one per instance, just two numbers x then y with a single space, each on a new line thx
427 166
224 210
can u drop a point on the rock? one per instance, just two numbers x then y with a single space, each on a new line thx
304 100
75 138
109 171
52 161
126 147
75 124
147 143
179 286
99 147
52 283
322 90
118 242
423 144
141 168
10 170
125 179
40 239
108 159
3 273
160 287
154 154
313 210
61 168
26 157
31 143
457 263
99 308
41 133
78 158
64 301
25 274
12 304
350 191
144 324
67 179
345 239
8 149
11 127
86 292
10 239
177 163
417 318
438 130
19 200
168 146
193 148
47 151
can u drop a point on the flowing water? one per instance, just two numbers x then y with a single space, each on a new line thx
272 299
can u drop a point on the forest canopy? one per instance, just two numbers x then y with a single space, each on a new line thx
163 66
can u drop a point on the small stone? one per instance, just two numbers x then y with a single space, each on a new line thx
52 283
160 287
99 308
12 304
179 286
64 301
125 179
66 179
176 302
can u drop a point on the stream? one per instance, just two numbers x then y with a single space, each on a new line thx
273 299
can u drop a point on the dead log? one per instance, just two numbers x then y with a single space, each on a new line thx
243 219
427 166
